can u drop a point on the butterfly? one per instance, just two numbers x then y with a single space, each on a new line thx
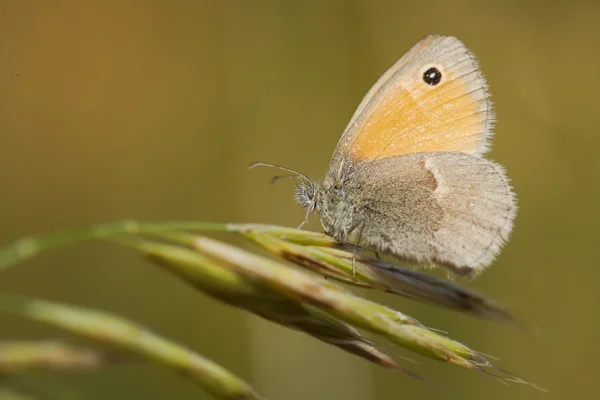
408 177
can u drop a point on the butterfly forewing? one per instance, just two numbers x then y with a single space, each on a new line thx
404 114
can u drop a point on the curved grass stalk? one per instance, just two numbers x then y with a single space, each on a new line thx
118 332
299 299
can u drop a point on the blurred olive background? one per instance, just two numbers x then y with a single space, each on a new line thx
152 110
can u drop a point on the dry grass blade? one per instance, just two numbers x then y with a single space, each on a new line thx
31 246
16 356
341 303
220 281
319 253
346 306
299 299
125 335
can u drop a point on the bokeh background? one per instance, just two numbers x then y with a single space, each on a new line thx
152 110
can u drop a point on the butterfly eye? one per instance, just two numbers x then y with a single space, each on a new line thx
432 76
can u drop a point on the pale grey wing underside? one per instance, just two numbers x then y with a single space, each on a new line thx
440 208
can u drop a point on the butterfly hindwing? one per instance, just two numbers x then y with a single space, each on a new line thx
442 208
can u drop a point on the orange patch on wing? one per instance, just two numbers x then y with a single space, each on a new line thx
416 117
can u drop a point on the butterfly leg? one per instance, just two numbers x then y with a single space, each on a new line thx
305 220
356 244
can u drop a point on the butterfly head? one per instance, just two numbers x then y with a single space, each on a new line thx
306 191
305 195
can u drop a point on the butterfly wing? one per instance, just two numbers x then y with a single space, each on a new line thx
443 208
433 99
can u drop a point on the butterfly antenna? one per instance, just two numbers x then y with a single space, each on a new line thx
295 174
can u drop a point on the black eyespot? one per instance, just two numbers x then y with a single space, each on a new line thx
432 76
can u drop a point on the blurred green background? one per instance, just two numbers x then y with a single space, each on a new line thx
152 110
